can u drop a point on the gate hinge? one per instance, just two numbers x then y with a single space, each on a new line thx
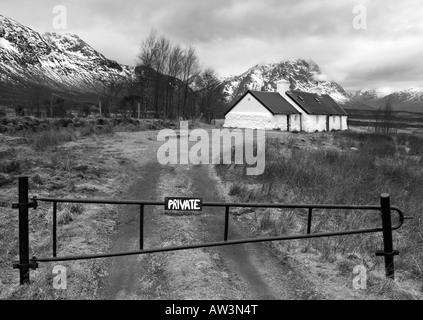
33 204
32 265
385 254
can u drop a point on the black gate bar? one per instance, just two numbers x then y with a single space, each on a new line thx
205 245
25 263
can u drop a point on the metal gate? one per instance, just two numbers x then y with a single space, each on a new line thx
25 263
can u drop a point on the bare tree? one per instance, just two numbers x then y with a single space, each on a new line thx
174 69
210 91
191 69
154 54
383 121
113 91
146 56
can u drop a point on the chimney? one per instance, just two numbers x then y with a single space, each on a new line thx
282 85
318 90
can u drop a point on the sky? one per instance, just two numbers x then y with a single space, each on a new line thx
359 44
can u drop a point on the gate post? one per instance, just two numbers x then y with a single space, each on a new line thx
388 252
24 263
23 231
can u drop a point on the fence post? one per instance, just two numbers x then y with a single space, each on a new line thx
142 227
388 252
225 237
310 216
23 265
54 229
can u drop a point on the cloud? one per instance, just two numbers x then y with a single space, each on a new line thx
233 35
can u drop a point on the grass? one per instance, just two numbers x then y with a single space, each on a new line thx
344 176
132 127
82 229
52 137
9 166
93 129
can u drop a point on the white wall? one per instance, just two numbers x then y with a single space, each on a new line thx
249 104
280 121
295 122
255 121
312 123
344 123
334 123
249 113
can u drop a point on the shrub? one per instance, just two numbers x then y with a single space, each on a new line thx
237 189
88 130
11 166
416 145
52 137
76 208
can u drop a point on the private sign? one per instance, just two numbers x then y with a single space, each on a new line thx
184 204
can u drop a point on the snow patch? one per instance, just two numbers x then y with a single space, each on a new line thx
7 45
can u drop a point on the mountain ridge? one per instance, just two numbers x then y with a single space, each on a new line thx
303 75
410 99
31 63
34 65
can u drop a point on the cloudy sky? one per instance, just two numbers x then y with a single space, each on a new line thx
377 44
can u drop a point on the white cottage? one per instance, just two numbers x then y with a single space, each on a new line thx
287 111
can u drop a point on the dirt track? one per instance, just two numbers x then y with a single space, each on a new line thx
250 271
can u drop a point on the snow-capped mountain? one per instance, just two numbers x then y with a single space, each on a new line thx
405 100
374 94
33 66
303 75
30 62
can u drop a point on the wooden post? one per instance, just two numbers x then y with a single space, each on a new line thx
51 106
139 110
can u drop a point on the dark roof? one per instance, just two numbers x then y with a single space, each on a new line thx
312 103
272 101
327 100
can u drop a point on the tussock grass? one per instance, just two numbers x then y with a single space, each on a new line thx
93 129
52 137
345 176
132 127
10 166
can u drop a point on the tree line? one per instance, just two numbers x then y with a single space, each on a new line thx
168 82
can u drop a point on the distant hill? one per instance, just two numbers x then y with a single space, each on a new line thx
410 100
